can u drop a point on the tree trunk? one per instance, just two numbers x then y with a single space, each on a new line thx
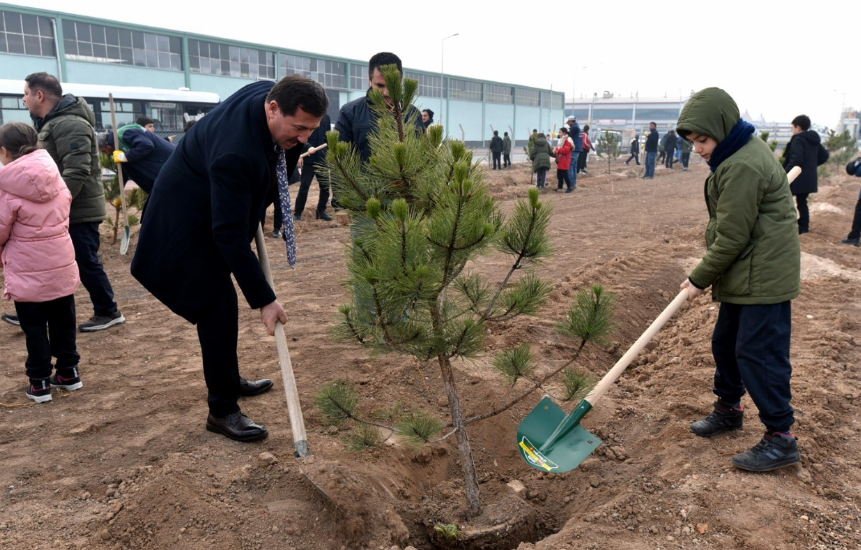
469 476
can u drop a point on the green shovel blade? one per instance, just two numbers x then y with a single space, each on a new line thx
566 451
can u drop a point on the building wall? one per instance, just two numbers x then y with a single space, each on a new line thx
98 51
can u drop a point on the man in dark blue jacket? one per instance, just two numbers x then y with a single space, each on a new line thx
203 213
651 150
357 118
144 154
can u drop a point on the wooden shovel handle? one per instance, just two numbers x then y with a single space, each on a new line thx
297 421
313 150
620 366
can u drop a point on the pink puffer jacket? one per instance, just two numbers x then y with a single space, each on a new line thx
36 252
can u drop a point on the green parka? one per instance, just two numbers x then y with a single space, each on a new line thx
67 134
541 153
754 255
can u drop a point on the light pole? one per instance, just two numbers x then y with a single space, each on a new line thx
443 87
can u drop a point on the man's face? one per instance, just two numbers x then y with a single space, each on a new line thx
703 145
34 100
150 127
379 83
107 150
425 117
653 127
289 131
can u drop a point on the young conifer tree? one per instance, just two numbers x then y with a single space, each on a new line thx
420 214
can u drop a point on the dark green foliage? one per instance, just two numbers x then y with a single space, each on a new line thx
337 401
841 147
591 318
419 426
363 436
772 144
577 384
515 363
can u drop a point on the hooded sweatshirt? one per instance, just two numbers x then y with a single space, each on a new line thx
753 253
36 252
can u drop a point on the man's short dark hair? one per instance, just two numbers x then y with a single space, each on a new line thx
428 111
655 123
46 83
504 133
534 130
802 121
295 91
144 120
384 58
496 132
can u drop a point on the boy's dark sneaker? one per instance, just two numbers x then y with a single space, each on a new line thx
724 418
69 380
848 240
39 390
11 319
775 450
101 322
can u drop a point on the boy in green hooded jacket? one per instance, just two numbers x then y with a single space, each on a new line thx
753 265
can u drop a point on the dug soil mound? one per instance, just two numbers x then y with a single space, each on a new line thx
125 462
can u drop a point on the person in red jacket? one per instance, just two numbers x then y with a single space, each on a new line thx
563 160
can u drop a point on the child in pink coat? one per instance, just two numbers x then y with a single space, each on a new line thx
38 259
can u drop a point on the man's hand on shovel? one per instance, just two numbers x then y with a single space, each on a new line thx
270 314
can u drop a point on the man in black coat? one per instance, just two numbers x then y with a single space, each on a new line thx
203 213
144 154
651 150
496 149
805 150
308 166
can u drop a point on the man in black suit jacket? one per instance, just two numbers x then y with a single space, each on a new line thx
201 217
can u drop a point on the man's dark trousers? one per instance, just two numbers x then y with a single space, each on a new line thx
750 345
497 160
55 340
217 330
803 212
86 240
308 173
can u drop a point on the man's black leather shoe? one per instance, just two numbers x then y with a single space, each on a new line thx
247 388
237 427
323 216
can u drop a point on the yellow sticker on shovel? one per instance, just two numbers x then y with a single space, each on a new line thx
534 456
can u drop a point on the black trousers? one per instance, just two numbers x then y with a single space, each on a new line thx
581 161
86 240
308 174
562 176
668 162
506 159
217 330
855 232
803 212
497 160
635 155
49 329
750 346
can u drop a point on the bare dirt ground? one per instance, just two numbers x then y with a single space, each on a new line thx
126 463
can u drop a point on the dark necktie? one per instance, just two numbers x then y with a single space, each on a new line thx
286 208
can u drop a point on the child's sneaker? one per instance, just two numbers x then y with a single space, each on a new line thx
71 382
775 450
724 418
39 391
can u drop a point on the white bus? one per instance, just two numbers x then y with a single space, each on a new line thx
170 109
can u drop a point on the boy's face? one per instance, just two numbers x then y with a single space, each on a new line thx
703 145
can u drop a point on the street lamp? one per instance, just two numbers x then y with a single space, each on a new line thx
443 88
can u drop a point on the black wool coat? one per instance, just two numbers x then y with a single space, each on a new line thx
146 155
805 150
206 204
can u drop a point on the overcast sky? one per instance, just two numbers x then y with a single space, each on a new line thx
777 59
